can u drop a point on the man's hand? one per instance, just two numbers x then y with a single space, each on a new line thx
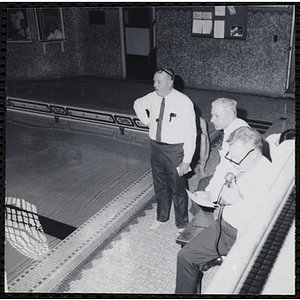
230 195
201 195
183 168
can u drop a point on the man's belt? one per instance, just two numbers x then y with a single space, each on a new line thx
161 143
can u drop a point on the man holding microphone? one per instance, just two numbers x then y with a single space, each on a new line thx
237 203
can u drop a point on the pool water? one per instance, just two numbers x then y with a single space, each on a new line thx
64 173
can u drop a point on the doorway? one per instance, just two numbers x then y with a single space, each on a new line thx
140 44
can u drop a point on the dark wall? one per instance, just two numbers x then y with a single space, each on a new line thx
257 64
100 44
89 49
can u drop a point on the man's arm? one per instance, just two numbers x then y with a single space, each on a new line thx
218 178
190 131
204 146
140 105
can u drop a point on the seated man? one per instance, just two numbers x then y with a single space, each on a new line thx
224 117
277 149
239 202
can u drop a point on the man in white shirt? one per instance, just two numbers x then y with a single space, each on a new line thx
239 202
280 145
224 117
170 116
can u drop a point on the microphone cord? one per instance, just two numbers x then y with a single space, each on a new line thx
220 213
220 231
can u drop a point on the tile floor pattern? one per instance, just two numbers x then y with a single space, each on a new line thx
112 269
137 260
132 262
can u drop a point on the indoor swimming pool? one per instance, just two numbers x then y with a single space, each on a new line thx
66 169
62 173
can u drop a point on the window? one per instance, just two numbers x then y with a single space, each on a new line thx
50 24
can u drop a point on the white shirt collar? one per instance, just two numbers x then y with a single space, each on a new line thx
230 129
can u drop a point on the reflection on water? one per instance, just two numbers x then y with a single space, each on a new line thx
23 229
51 154
68 171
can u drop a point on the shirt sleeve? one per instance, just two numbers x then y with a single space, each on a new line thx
140 106
190 133
253 185
218 178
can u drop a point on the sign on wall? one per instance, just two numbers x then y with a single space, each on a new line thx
223 22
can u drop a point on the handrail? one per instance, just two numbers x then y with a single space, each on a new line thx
234 269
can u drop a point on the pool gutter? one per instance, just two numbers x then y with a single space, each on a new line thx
44 274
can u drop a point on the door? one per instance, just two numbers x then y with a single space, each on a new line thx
139 35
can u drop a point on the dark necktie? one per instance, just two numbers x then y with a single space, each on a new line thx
221 141
159 121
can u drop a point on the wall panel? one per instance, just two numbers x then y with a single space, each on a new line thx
257 64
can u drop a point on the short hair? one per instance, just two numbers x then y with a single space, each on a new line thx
228 104
288 134
246 135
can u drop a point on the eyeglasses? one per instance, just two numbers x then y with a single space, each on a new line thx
164 70
238 163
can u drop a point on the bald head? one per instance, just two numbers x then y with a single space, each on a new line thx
163 81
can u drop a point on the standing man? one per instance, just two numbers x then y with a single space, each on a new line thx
171 119
224 117
239 203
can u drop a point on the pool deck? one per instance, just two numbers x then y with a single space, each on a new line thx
134 260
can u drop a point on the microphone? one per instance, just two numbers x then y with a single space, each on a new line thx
228 179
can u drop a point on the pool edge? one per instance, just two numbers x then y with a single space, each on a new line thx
44 274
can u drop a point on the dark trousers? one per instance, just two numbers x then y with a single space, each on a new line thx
168 185
200 250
